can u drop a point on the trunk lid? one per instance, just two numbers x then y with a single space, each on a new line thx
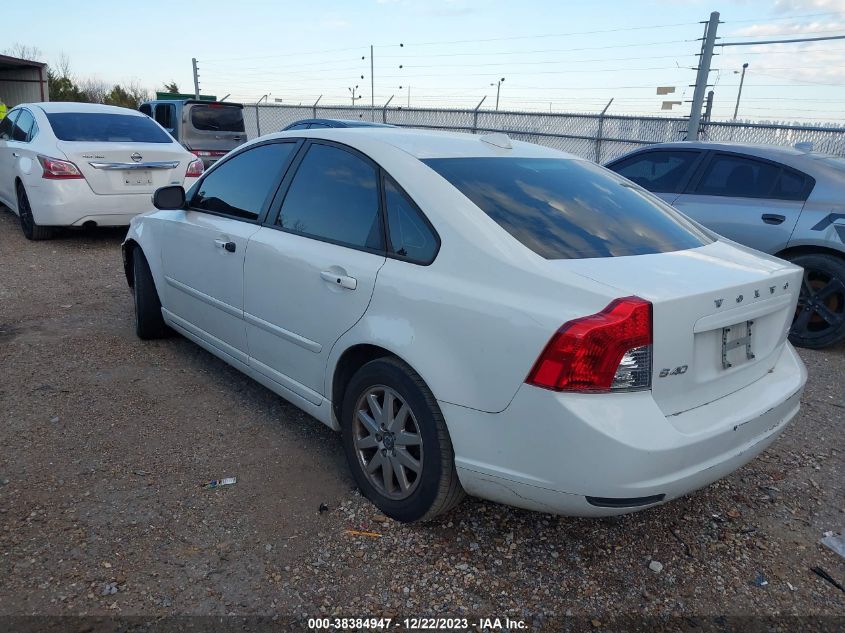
128 168
706 302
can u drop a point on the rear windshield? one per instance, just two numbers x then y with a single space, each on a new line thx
106 128
217 118
569 209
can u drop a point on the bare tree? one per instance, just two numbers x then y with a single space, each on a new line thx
23 51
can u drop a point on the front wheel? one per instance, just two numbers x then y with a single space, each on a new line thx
820 315
31 230
397 443
149 324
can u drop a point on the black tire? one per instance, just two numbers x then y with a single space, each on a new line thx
437 490
149 324
31 230
820 317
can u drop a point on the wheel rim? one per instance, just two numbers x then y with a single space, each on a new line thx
387 442
821 305
25 212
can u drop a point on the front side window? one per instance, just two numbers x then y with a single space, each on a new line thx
23 126
103 127
409 234
241 186
334 197
661 171
217 118
738 177
569 208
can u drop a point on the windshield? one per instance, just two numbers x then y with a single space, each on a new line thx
217 118
569 209
106 128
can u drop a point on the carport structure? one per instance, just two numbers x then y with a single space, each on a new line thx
22 81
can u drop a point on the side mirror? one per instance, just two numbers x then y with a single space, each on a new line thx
170 197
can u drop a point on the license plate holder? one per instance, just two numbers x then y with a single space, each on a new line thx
737 339
137 177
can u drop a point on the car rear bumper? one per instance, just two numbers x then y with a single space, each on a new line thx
549 451
72 203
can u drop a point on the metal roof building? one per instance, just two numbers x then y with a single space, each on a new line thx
22 81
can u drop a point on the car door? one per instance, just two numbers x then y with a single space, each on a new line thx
310 272
203 246
7 179
664 172
750 200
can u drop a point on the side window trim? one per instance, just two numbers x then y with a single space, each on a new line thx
272 217
692 186
391 253
268 203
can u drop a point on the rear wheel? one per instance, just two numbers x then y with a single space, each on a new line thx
149 324
397 444
31 230
820 315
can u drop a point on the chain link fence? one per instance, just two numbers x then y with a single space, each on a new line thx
598 137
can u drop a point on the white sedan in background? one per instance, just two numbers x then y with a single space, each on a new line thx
476 315
81 164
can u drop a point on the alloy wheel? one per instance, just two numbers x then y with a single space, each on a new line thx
388 443
821 305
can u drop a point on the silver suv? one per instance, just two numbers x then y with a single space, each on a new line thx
780 200
208 129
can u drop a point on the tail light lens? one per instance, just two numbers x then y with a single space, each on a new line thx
195 169
55 169
607 351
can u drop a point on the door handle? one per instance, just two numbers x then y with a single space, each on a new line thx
773 218
227 246
344 281
16 155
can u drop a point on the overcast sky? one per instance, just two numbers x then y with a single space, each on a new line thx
565 56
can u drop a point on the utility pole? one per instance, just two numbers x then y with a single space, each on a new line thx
739 93
372 88
498 85
354 97
196 78
702 76
708 110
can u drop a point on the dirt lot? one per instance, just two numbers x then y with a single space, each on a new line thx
105 441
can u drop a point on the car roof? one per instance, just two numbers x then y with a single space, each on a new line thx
340 123
51 107
763 151
424 144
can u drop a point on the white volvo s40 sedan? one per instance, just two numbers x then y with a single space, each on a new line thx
476 315
83 164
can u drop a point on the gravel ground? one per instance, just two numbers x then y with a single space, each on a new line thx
106 441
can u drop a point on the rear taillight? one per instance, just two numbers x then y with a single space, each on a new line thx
195 169
607 351
55 169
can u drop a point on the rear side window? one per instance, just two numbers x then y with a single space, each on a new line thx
217 118
411 237
658 171
23 126
334 197
569 209
7 124
106 128
165 115
738 177
240 186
